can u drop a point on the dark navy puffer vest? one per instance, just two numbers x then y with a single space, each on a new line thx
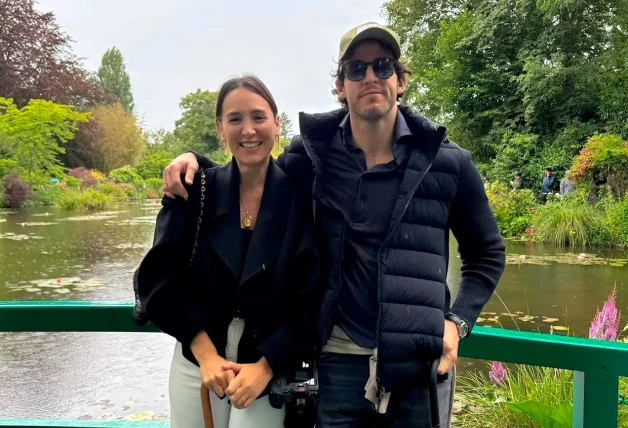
413 261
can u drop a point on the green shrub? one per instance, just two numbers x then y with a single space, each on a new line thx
126 174
566 220
154 183
153 164
603 158
46 196
616 221
72 182
7 166
116 191
88 199
513 209
153 188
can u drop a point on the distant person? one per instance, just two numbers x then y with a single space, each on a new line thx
547 186
566 184
487 183
517 182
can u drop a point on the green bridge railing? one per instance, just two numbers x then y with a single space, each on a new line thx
597 364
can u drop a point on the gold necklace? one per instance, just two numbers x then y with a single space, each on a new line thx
247 220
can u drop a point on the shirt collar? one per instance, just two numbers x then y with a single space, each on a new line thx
401 127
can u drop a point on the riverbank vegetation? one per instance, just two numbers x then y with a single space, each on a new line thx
532 397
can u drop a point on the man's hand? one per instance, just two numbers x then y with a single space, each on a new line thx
185 163
450 348
250 381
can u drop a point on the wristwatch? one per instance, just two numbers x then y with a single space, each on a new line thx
463 328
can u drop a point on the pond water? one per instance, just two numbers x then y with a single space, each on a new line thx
47 254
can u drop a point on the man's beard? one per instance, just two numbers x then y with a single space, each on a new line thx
374 114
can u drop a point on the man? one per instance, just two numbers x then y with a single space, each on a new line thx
566 184
517 183
387 187
547 186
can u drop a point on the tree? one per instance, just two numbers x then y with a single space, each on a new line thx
286 131
36 60
84 150
500 72
196 129
114 79
121 141
36 132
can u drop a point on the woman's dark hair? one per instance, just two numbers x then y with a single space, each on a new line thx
250 82
400 67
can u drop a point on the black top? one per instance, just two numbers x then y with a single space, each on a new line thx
246 240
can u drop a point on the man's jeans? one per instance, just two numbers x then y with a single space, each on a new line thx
342 403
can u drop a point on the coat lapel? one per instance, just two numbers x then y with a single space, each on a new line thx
271 223
224 235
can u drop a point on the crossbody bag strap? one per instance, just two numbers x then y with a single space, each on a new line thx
200 218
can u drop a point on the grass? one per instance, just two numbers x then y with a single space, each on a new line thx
88 199
483 403
567 221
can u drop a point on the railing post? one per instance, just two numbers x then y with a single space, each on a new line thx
595 400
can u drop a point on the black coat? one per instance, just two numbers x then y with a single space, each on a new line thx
273 290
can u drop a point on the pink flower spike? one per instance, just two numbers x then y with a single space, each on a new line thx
498 374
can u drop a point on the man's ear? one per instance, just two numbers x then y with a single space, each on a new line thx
340 89
401 84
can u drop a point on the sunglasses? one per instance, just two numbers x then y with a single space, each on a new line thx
383 68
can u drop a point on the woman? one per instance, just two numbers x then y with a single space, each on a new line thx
232 272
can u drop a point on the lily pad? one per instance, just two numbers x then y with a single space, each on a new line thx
526 318
488 313
37 223
141 416
565 258
560 328
2 220
42 215
132 246
18 237
92 217
480 319
550 319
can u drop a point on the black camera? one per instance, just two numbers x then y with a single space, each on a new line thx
298 391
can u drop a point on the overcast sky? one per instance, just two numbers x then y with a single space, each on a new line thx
173 47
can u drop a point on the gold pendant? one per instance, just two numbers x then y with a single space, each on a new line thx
247 221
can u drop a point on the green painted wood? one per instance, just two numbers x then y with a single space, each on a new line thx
595 400
22 423
547 350
78 316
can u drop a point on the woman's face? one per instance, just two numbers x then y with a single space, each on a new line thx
248 127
